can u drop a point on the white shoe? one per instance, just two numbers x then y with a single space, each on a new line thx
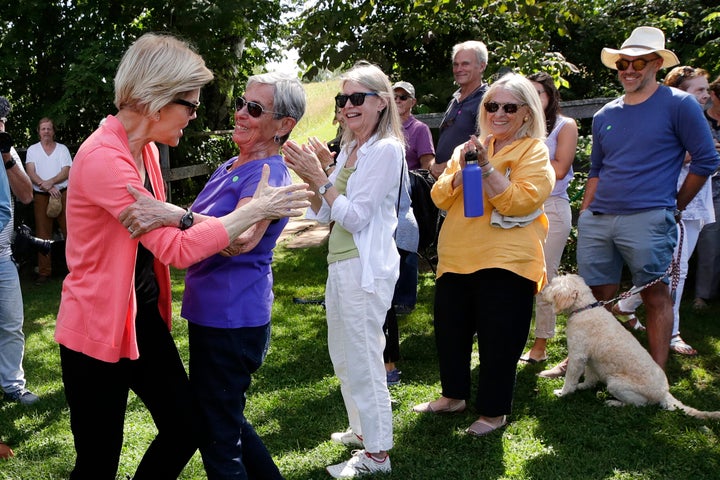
361 463
347 438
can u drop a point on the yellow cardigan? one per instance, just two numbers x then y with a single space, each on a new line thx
467 245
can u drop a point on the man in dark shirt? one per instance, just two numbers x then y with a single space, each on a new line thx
460 119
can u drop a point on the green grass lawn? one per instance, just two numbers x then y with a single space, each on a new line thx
295 404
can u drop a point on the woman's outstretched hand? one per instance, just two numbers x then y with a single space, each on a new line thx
278 202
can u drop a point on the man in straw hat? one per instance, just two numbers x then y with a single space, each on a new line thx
631 204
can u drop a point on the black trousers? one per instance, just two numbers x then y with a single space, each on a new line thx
97 393
497 305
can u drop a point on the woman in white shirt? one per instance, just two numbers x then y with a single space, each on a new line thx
360 197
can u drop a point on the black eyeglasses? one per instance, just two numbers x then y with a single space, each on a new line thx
253 108
192 107
509 108
402 97
637 64
356 99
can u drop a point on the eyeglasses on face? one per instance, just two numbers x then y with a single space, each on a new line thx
402 97
509 108
253 108
638 64
356 99
192 107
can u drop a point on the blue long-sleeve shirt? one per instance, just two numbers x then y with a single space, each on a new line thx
638 151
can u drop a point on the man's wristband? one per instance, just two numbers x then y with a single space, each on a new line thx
10 163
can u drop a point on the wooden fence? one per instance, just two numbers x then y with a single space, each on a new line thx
577 109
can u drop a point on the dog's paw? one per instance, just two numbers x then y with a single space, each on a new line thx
558 392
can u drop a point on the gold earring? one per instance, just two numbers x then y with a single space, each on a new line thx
526 119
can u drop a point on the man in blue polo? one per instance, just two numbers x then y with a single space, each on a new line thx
631 204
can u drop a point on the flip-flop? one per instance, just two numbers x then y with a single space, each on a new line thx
480 427
679 346
532 361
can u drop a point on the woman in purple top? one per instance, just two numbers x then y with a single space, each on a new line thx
228 296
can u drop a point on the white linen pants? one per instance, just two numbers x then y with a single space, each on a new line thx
356 343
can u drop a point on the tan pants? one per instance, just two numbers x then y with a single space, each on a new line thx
44 227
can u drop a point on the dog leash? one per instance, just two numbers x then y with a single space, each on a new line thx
673 271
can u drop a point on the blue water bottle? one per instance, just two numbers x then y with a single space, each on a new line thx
472 186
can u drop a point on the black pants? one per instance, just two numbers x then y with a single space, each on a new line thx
391 354
97 394
222 361
497 305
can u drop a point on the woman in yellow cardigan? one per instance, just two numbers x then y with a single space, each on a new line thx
491 266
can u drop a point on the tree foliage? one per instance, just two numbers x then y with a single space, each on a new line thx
413 40
59 57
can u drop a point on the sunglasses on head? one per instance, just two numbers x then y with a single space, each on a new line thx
253 108
402 97
637 64
192 107
356 99
510 108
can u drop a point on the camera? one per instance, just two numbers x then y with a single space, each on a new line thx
6 142
25 241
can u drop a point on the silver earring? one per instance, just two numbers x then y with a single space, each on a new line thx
276 139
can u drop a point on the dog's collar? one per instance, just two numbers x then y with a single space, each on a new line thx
588 307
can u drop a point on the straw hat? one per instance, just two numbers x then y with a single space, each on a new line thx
642 41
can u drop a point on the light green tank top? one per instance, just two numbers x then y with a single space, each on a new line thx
341 245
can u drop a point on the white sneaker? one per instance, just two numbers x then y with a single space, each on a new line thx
361 463
347 438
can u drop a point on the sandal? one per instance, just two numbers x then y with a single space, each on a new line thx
482 427
679 346
628 319
454 406
528 359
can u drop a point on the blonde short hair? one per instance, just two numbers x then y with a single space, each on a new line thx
156 69
522 89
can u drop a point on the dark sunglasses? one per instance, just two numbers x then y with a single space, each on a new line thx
509 108
356 99
402 97
192 107
253 108
637 64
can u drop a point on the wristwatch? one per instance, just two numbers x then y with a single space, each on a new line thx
187 220
10 163
322 190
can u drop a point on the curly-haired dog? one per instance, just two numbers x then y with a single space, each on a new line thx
603 350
